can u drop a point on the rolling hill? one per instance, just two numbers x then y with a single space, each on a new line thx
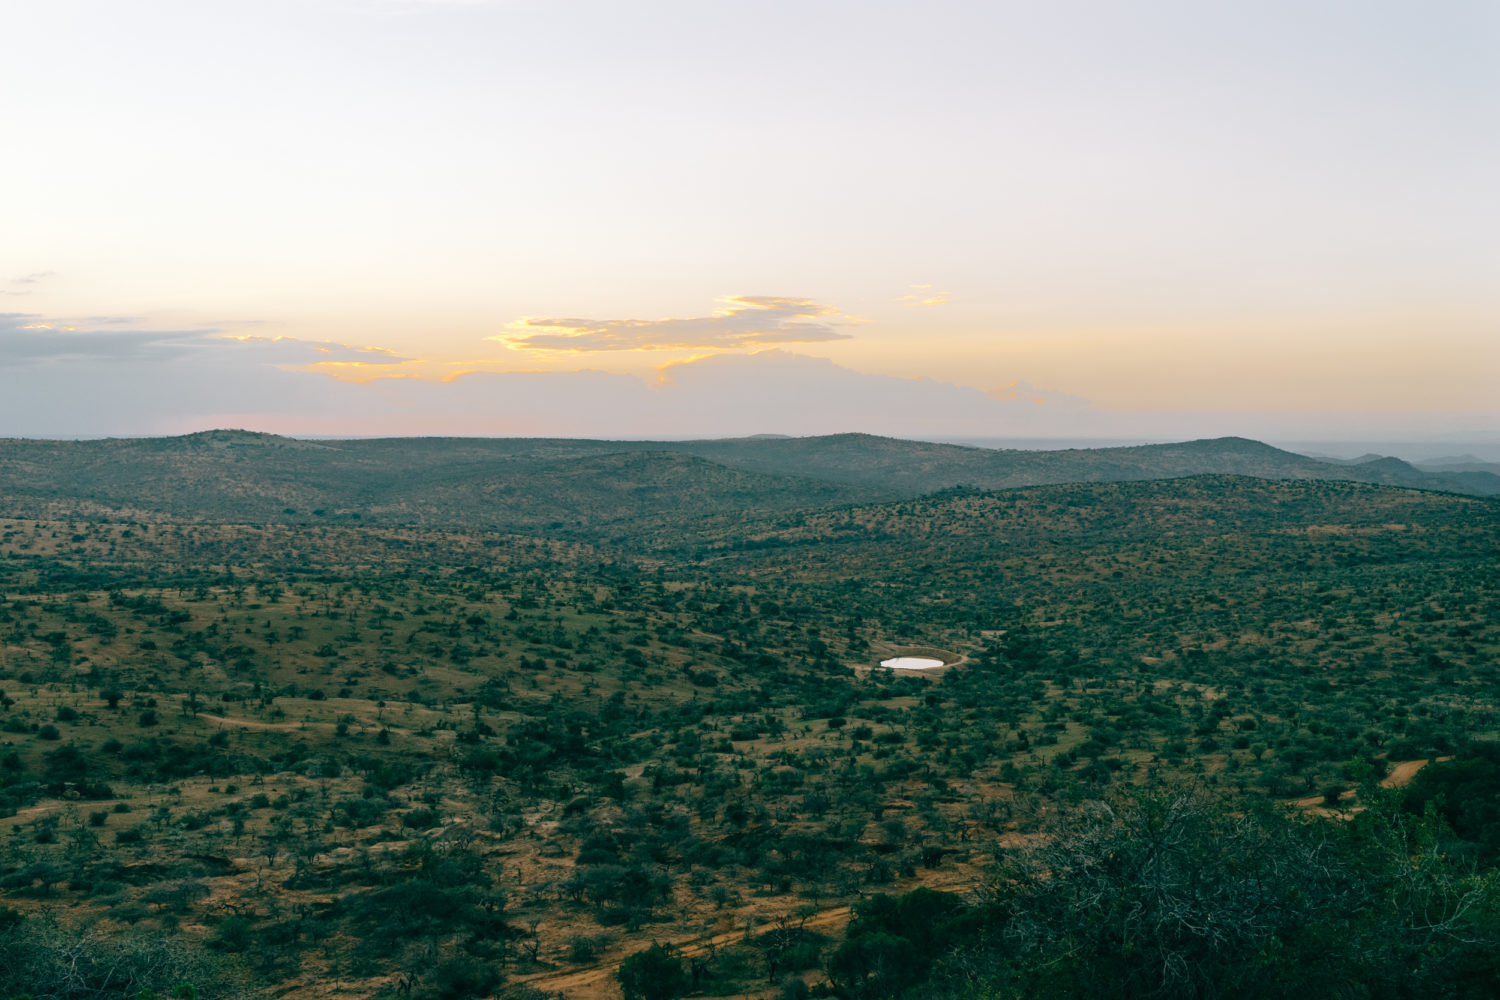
584 485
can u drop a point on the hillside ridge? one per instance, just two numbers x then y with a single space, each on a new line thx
577 484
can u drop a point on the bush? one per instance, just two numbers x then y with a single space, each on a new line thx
1465 792
653 974
235 935
461 979
875 964
54 960
1174 891
584 949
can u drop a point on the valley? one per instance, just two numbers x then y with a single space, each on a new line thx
530 719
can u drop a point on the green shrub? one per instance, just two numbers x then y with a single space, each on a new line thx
653 974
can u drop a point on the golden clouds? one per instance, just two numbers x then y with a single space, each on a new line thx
743 321
1017 391
923 295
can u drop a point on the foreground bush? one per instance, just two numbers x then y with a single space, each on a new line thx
1177 892
50 961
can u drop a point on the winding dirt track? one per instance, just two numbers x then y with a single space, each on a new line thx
1402 773
598 981
249 723
1400 776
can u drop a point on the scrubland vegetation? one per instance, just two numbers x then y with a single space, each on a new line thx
1176 753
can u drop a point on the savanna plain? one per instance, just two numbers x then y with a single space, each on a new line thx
531 719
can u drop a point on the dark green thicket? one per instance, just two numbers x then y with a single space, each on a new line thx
1172 891
1465 793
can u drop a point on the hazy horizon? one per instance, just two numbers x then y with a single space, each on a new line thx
1452 450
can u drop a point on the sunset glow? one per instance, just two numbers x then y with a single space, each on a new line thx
1181 217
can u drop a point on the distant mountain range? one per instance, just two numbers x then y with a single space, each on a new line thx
585 486
919 467
1458 463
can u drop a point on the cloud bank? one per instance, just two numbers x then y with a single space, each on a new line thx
745 321
123 381
56 381
26 340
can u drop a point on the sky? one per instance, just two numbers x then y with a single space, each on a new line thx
1163 218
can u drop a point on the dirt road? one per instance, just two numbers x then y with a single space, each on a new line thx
598 981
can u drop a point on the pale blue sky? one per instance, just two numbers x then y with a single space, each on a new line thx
1161 208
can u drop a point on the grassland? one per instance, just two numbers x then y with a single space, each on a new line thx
370 759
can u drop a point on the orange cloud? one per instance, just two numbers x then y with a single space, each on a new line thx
744 321
923 299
